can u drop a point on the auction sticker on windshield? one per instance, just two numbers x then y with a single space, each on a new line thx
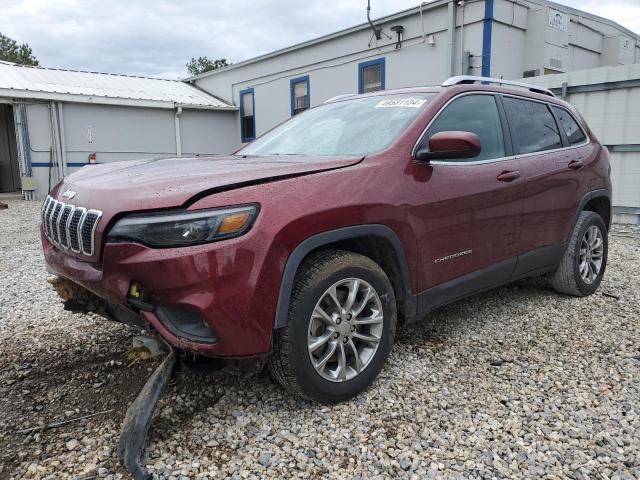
401 102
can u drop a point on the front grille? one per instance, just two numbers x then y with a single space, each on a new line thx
55 225
64 217
70 227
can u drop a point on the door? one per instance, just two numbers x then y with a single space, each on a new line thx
553 189
9 171
468 213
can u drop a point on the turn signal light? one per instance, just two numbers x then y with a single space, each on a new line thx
234 222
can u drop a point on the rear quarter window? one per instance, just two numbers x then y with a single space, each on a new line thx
533 128
574 133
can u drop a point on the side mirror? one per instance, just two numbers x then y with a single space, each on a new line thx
451 144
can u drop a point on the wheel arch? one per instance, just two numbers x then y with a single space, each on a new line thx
376 241
600 203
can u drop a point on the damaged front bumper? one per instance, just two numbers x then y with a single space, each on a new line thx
78 299
199 299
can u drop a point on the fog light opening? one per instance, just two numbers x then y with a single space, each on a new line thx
138 297
137 291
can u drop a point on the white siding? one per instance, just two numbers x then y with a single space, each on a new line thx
625 172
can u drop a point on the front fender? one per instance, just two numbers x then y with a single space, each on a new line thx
329 237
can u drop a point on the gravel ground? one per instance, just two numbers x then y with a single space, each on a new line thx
518 382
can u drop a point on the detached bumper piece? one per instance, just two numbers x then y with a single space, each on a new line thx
138 418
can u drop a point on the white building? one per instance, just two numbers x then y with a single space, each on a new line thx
420 46
53 122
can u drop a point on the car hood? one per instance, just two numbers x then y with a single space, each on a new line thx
171 182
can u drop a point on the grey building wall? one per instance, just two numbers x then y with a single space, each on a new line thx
117 133
208 132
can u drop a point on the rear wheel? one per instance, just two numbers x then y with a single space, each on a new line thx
582 267
340 328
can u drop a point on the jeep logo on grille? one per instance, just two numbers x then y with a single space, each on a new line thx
69 194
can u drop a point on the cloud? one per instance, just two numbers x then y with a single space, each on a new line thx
159 37
624 12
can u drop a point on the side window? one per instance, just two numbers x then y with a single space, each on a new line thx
299 95
247 116
476 114
533 128
570 126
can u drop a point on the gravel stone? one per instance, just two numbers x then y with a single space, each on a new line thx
265 459
72 445
518 382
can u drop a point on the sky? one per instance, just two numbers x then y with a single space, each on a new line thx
158 37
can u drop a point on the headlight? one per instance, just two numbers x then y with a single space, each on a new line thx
183 228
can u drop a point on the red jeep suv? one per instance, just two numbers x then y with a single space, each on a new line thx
309 246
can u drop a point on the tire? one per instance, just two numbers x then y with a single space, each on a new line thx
291 362
568 278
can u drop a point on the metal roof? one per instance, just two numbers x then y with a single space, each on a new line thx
20 81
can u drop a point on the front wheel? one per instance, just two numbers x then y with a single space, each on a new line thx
340 328
585 259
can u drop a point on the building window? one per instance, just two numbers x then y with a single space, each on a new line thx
247 116
371 76
300 96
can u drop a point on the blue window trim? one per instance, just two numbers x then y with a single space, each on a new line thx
487 28
363 65
244 92
293 83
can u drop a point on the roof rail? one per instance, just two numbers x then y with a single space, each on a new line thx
461 79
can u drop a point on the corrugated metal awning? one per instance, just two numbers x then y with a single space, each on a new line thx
19 81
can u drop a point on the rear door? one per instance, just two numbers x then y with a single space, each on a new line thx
552 189
469 211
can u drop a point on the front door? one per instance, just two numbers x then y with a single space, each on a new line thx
469 215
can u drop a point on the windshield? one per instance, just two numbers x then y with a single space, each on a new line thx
352 127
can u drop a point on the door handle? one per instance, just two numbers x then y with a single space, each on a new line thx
575 164
509 176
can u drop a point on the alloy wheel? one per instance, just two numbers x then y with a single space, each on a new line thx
345 329
591 254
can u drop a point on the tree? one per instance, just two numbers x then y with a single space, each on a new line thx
10 51
204 64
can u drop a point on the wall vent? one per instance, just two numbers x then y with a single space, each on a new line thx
555 63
